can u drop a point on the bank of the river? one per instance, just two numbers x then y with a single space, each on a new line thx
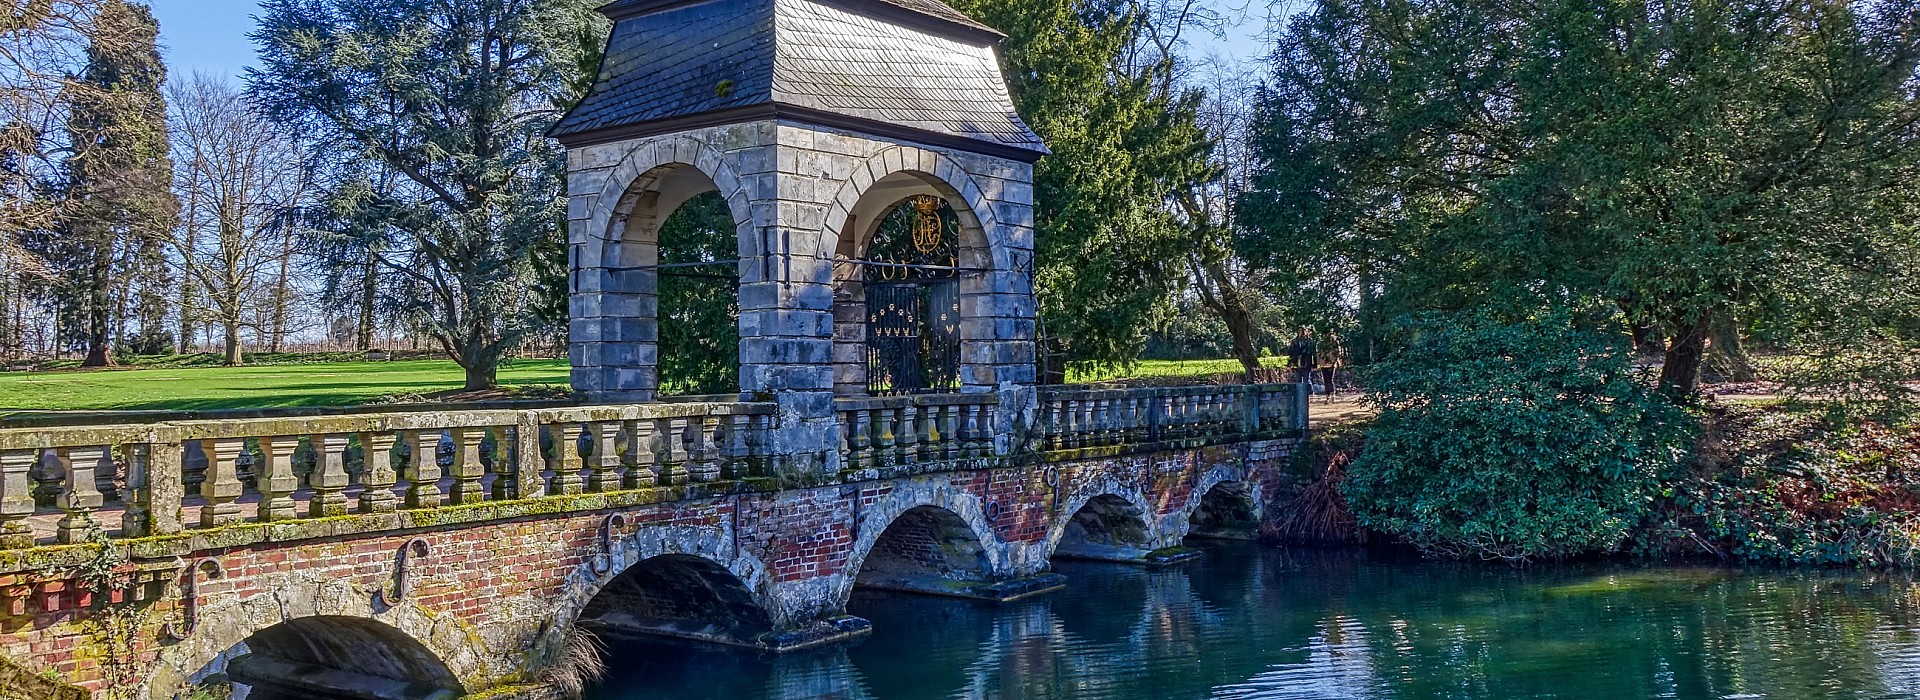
1766 483
1256 621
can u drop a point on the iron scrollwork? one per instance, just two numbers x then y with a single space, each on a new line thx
190 597
913 300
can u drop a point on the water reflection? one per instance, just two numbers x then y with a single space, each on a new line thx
1254 622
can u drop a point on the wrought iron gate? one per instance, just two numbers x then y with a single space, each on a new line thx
913 302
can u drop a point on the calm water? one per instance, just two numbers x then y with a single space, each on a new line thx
1257 622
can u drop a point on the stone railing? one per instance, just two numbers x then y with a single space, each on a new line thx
906 430
1077 418
68 484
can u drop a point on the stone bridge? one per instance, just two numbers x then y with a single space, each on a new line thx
306 556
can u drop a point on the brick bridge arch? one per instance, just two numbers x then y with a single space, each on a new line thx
224 625
646 544
965 508
1119 503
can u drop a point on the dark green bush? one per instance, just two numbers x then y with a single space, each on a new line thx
1513 440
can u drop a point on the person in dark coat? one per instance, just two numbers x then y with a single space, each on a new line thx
1303 355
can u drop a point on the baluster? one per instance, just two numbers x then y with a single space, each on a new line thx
701 465
1134 414
47 479
670 442
640 457
222 484
376 476
565 460
329 477
859 439
885 441
757 443
16 497
80 496
1108 420
907 436
467 467
275 478
1055 415
138 496
423 468
928 433
603 475
950 442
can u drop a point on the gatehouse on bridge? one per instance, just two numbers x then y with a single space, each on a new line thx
888 432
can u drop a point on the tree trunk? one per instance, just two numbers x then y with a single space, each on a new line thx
234 358
363 339
189 321
481 373
99 314
1729 355
1686 351
279 336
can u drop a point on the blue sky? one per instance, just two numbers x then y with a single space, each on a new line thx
210 36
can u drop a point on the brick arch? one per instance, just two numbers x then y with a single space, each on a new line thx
223 626
875 518
1104 485
711 543
953 181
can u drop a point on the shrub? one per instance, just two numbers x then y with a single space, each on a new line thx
1513 440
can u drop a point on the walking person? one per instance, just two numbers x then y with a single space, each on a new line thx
1303 355
1333 356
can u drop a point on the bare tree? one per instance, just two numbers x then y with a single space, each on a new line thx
239 176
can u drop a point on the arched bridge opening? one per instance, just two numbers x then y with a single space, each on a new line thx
926 550
680 596
335 658
1225 512
1107 528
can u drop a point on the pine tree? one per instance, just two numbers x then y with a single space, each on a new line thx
117 189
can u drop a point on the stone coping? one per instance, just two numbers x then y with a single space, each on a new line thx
186 430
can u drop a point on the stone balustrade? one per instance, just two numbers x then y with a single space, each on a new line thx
170 477
66 485
894 431
1080 418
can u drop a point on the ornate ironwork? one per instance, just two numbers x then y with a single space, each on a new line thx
913 300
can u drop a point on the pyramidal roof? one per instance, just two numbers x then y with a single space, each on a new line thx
909 69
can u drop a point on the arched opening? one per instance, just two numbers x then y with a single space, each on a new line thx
927 549
655 297
1107 528
699 316
908 252
680 596
332 657
1225 512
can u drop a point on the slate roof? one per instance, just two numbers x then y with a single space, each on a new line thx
852 60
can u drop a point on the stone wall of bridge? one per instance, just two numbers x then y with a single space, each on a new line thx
491 596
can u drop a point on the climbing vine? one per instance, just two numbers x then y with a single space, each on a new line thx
114 628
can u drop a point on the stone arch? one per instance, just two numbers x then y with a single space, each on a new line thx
1223 504
701 556
938 171
957 507
404 638
1105 520
640 168
614 305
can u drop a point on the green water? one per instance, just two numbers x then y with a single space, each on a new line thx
1259 622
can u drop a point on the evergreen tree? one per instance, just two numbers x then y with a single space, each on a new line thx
118 200
1124 139
453 99
1698 165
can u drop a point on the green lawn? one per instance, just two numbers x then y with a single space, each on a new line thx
262 386
312 384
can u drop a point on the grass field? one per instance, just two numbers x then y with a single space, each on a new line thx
262 386
181 386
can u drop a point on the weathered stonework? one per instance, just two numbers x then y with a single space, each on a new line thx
491 601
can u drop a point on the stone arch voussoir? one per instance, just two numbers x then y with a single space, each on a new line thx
712 543
683 150
874 519
224 624
898 159
1106 484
